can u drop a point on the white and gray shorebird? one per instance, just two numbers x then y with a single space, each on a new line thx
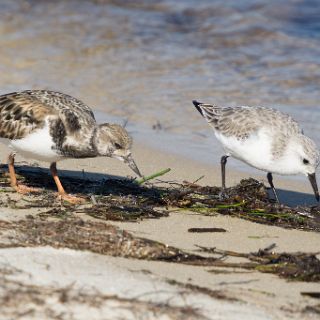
51 126
264 138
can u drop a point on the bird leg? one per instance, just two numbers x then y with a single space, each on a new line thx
13 178
270 180
61 191
223 176
20 188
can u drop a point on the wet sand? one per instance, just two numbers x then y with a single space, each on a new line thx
250 295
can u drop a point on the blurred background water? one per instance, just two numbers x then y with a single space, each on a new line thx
144 61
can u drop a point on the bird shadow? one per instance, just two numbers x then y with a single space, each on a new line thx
118 190
75 181
295 198
87 182
111 197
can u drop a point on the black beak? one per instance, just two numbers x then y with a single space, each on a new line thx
130 162
313 181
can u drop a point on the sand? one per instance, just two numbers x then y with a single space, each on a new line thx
120 288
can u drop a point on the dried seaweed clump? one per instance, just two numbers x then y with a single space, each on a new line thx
293 266
126 200
106 239
248 200
97 237
297 266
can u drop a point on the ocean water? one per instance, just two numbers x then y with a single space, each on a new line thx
145 61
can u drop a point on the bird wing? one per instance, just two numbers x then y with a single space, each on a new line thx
20 114
73 112
241 122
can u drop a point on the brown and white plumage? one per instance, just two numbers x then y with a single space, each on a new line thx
52 126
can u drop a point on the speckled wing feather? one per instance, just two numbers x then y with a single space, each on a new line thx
241 122
73 112
20 114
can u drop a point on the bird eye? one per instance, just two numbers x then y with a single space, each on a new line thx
305 161
117 146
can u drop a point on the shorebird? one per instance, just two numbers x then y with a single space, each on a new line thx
264 138
51 126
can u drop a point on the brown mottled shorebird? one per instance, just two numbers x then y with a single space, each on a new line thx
264 138
51 126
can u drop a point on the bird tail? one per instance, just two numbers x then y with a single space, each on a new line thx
197 105
208 111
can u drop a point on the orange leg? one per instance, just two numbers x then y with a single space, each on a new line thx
13 179
54 172
61 191
12 173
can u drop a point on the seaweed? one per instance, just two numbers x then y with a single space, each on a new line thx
127 200
297 266
99 237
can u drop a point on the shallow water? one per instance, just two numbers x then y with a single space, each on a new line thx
145 61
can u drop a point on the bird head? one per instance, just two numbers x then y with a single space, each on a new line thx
306 159
112 140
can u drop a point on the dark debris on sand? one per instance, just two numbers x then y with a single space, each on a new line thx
248 200
99 237
114 199
294 266
125 200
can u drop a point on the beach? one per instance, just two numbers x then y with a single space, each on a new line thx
131 251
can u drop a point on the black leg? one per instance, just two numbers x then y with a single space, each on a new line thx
223 162
270 180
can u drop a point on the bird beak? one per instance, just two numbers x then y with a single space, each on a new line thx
130 162
313 181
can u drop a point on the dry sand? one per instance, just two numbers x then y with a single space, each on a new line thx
81 284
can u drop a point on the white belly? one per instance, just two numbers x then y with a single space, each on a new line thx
37 145
255 151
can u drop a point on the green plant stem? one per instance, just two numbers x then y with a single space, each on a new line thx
152 176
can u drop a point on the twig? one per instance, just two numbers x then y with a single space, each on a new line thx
222 252
206 230
197 180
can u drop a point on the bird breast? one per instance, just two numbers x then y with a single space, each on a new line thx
37 145
254 150
257 151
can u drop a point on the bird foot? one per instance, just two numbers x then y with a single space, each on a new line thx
71 199
21 188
